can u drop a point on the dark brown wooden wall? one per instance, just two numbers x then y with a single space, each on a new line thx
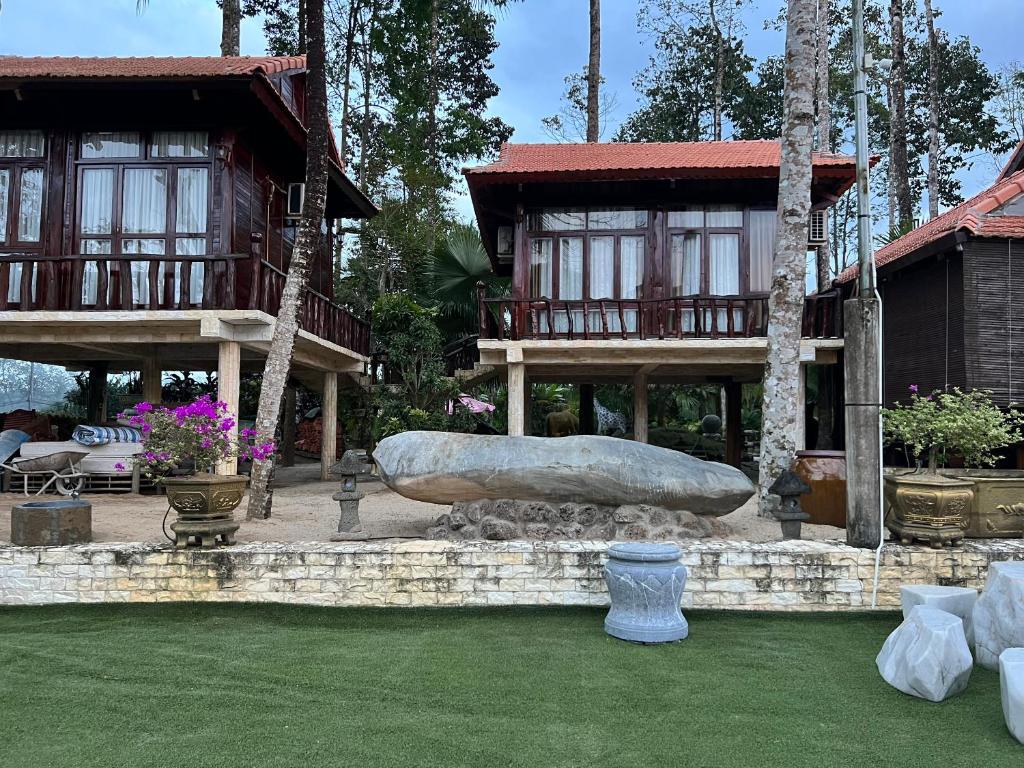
994 319
923 322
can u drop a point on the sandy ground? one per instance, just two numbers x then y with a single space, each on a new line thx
304 511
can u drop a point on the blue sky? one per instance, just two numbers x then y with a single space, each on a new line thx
541 41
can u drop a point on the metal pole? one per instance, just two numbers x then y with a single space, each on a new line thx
866 282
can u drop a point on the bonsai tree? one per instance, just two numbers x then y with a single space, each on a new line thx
946 423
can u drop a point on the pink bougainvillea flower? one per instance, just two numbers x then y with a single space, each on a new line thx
120 467
913 388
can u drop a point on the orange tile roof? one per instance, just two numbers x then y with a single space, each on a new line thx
24 67
972 216
615 160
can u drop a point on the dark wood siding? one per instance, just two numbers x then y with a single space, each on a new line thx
994 320
923 322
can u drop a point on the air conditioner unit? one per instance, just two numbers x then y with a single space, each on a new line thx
817 228
296 195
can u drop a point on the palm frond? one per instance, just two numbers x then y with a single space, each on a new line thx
455 270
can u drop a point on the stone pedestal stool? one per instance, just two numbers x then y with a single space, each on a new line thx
51 523
927 655
999 613
956 600
646 584
1011 683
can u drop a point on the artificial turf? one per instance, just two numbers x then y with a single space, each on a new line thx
247 685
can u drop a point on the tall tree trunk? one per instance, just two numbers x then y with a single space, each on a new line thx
933 113
899 168
346 94
434 99
301 20
823 256
231 14
594 74
719 72
279 358
782 381
364 132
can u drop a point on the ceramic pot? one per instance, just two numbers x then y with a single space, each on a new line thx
825 473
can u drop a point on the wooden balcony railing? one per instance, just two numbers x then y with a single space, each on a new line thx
708 317
104 282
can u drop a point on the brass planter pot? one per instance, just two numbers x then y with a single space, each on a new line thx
929 507
998 508
205 505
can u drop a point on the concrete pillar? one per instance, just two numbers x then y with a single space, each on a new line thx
733 410
151 380
863 393
517 400
329 418
587 409
640 407
229 377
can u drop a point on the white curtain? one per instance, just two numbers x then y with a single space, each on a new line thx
602 280
570 281
725 216
111 144
140 269
180 144
685 256
5 185
97 201
762 248
191 246
687 218
90 270
144 202
22 144
30 213
631 278
14 284
191 203
724 277
541 250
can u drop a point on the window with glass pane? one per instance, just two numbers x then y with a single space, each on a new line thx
97 196
762 248
557 220
541 251
686 257
139 270
724 216
190 246
30 209
602 268
724 275
179 144
17 270
687 218
570 281
102 144
22 144
191 203
631 276
90 270
144 201
5 185
617 218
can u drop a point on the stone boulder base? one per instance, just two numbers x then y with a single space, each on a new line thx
927 655
999 613
446 468
956 600
1011 683
506 519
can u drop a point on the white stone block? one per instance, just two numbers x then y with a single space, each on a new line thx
1011 684
956 600
999 613
927 655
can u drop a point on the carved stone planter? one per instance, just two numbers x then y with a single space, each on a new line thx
928 507
998 507
646 584
205 505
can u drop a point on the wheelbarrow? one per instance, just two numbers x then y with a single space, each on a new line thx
62 470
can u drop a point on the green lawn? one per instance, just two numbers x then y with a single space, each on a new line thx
235 685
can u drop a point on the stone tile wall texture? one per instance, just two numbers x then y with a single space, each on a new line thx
790 575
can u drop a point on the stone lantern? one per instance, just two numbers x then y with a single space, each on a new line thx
789 487
353 463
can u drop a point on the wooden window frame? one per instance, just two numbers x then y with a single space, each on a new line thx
743 257
17 167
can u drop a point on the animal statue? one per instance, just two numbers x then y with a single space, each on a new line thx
561 424
609 422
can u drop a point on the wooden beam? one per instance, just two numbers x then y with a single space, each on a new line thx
329 419
640 408
229 364
733 423
586 409
151 380
517 400
97 392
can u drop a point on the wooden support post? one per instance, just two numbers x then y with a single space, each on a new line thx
733 423
151 380
586 409
229 365
287 451
97 393
517 400
640 407
329 417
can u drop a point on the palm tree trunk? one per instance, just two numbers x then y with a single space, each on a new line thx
594 74
782 381
231 14
898 165
279 358
933 113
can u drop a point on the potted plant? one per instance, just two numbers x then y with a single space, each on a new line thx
926 503
182 446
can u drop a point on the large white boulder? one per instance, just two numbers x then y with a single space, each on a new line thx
956 600
1011 683
927 655
999 613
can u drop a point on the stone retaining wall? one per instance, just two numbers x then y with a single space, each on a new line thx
794 575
